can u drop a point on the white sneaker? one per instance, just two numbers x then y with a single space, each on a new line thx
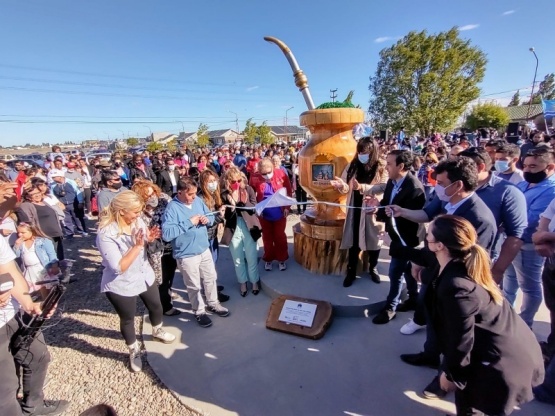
160 335
135 362
268 266
282 266
410 328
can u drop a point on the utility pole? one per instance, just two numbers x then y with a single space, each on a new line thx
333 95
236 121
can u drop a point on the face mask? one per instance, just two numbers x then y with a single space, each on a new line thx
152 201
535 177
71 170
501 165
363 159
235 186
116 185
268 176
212 186
440 192
201 165
171 168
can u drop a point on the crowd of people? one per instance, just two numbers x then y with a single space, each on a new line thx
470 224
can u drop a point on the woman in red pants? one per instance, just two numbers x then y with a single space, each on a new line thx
266 182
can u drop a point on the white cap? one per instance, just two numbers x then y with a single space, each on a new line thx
56 173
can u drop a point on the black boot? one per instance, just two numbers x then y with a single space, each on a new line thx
373 256
351 276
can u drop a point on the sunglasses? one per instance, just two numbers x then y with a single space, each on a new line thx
237 181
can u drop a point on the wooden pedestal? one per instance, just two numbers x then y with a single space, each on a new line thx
317 250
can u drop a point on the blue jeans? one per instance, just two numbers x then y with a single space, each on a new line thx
546 392
525 273
398 268
214 247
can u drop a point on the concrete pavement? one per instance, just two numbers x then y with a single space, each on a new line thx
238 367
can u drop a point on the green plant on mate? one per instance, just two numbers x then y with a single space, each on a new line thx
347 103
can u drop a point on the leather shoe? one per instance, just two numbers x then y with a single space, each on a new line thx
434 390
375 276
406 306
421 360
222 297
384 316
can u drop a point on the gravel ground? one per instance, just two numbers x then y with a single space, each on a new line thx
89 356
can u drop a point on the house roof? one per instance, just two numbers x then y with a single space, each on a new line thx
279 130
219 133
183 136
519 112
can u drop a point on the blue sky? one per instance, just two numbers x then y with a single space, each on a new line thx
120 68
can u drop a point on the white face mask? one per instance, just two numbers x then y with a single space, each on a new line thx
171 168
363 158
212 186
440 192
269 176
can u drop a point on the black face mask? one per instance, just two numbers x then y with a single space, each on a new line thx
535 177
116 185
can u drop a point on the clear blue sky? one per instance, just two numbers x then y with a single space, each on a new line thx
120 68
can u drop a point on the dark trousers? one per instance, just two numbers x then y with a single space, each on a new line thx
548 281
71 222
58 242
214 247
87 194
126 307
33 364
398 268
300 196
169 266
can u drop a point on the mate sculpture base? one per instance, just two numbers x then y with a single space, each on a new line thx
322 319
326 155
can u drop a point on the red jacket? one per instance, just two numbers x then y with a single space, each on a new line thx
278 181
20 180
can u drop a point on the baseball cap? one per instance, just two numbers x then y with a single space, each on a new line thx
56 173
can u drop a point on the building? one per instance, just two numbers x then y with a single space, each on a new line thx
289 134
185 138
163 138
220 137
523 114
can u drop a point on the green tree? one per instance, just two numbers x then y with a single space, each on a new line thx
172 145
264 133
546 90
515 100
487 115
424 82
202 135
132 141
154 147
251 132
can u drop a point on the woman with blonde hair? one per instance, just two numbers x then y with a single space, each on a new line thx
121 240
242 229
491 358
159 253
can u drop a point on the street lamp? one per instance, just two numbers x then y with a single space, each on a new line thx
533 83
236 120
286 137
150 131
122 134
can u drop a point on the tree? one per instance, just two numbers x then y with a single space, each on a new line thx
515 100
251 132
487 115
202 135
424 82
154 147
172 145
546 90
132 141
264 133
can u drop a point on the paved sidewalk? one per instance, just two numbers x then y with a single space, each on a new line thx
238 367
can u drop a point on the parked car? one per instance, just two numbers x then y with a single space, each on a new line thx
101 155
7 158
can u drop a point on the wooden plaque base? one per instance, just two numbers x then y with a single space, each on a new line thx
322 318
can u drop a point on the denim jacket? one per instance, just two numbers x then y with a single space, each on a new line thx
44 249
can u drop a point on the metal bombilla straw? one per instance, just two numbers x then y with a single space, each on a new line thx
301 81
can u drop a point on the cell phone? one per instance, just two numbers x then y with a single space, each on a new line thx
6 283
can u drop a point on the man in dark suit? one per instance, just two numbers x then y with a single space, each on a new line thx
404 190
168 178
456 182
